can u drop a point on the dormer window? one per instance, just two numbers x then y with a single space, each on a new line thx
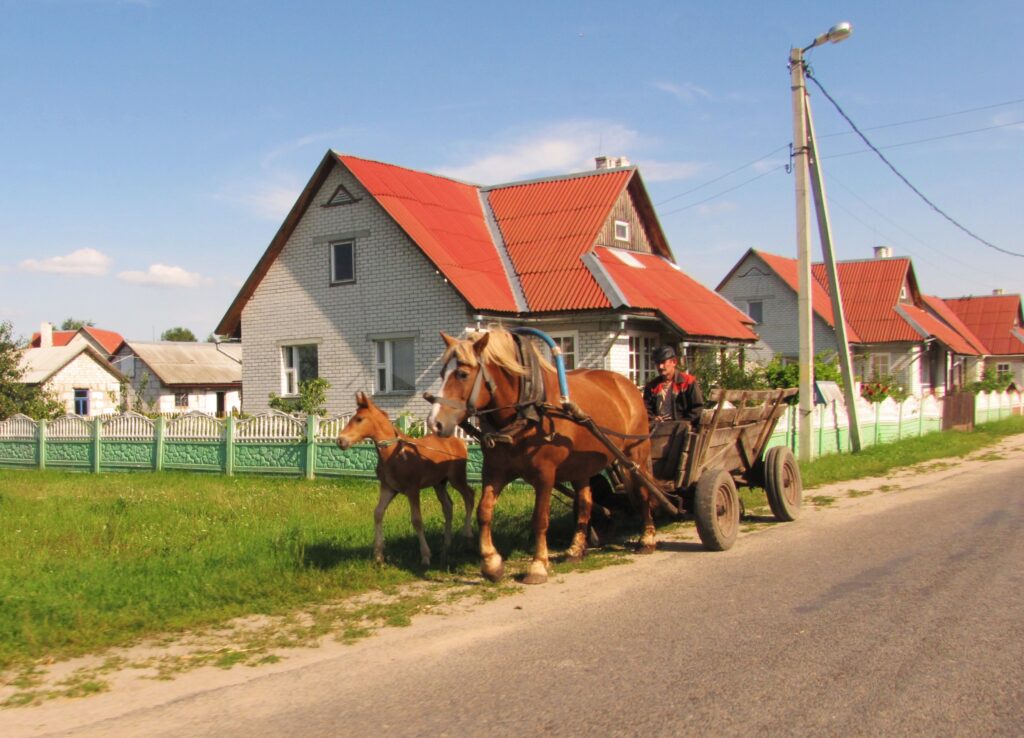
903 292
622 231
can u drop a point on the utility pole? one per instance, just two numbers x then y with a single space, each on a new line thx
801 170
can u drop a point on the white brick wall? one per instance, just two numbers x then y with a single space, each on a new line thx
84 373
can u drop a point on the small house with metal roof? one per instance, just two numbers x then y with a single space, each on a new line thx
998 323
892 328
375 259
76 374
180 376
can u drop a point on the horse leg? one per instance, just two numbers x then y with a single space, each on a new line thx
539 567
458 480
491 565
386 496
583 505
647 542
446 507
417 524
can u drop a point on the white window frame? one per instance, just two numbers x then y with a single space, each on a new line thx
384 366
1002 368
625 230
350 242
874 360
177 396
291 367
569 357
641 366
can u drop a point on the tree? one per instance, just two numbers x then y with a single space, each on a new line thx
15 396
178 333
73 324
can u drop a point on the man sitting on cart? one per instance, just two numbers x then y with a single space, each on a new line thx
673 394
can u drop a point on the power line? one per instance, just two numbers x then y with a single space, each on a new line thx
926 140
906 181
719 194
929 118
718 179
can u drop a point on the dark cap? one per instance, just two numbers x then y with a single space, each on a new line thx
663 353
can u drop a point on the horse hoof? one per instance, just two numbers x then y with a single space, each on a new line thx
493 572
645 548
575 555
537 574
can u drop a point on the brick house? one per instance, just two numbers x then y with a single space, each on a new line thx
893 330
997 322
76 374
374 259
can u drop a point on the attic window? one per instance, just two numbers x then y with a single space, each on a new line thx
341 196
622 231
903 292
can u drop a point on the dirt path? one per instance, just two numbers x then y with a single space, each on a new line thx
163 671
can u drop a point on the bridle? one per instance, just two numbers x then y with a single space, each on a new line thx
469 406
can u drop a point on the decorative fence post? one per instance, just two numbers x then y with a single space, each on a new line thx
878 418
821 431
312 425
159 432
899 422
41 442
96 433
229 446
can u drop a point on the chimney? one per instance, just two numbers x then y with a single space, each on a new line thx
45 335
610 162
997 291
883 252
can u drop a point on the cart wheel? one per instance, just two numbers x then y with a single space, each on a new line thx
782 484
717 510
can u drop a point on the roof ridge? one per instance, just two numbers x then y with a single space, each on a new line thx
342 156
558 177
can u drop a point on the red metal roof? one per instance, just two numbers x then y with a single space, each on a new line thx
992 318
945 312
933 327
445 219
821 302
547 226
653 282
871 291
109 340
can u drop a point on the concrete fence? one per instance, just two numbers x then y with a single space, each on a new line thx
277 443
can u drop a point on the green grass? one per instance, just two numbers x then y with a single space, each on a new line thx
93 560
877 460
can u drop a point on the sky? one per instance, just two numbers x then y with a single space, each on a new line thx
150 149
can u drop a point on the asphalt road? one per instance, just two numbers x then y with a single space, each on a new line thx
899 614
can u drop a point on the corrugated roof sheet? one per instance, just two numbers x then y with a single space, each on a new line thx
992 318
933 327
871 291
938 306
191 363
39 364
547 226
653 282
821 302
109 340
445 219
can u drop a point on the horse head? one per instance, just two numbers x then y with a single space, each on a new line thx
465 384
369 421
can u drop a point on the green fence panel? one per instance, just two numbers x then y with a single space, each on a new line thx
18 452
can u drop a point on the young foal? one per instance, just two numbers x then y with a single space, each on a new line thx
407 465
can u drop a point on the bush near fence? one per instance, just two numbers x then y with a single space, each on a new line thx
278 443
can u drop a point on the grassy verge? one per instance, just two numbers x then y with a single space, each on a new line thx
877 460
89 561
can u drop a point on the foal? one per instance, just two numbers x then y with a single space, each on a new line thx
406 465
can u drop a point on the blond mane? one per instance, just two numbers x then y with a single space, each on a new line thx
500 350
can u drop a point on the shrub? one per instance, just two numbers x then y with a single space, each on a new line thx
312 399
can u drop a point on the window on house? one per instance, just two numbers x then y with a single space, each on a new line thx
343 262
394 365
755 309
81 402
903 292
879 365
298 363
567 343
1002 369
621 230
640 365
181 399
341 196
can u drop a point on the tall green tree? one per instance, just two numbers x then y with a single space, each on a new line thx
178 333
73 324
15 396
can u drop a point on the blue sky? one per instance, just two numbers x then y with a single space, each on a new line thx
151 148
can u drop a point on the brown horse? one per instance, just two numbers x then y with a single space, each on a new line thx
483 375
406 465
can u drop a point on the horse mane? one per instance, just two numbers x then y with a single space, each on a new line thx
500 350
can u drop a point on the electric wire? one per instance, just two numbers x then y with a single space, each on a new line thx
926 140
906 181
719 178
744 183
929 118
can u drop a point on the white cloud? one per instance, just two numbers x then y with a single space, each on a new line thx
666 171
268 201
716 208
82 262
161 275
687 92
560 148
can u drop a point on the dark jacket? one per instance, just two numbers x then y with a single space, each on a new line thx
680 399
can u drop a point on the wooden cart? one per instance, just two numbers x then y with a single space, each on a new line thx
697 472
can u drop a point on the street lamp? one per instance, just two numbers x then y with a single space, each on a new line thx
806 164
